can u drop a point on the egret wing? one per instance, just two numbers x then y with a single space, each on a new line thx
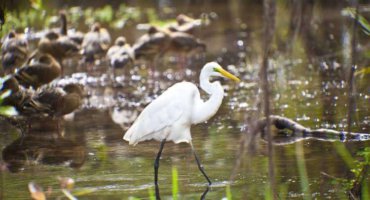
160 115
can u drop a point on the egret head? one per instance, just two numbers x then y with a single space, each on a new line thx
214 69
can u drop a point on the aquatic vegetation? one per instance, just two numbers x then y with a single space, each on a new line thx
357 186
38 17
351 12
6 110
104 15
153 18
175 183
228 193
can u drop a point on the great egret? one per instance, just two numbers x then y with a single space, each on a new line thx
169 117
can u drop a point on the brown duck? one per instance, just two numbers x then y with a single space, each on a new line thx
39 70
152 44
14 52
59 46
185 43
57 102
72 34
188 24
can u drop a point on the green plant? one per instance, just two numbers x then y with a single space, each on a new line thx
351 12
356 186
175 183
6 110
151 193
228 193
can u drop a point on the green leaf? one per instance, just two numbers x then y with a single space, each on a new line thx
83 192
351 12
366 154
364 71
345 154
365 192
175 183
5 94
133 198
68 194
151 193
36 4
228 193
8 111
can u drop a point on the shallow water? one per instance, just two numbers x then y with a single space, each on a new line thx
307 86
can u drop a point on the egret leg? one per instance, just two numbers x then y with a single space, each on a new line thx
204 193
200 166
156 167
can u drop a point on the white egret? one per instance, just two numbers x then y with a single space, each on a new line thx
169 117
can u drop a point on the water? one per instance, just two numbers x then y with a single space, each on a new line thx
308 85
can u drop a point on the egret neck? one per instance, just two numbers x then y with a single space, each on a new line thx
205 110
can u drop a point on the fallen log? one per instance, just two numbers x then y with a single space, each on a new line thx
290 131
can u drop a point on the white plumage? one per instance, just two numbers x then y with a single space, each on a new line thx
170 115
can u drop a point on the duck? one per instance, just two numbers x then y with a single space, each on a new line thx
152 44
72 34
95 43
59 46
40 69
56 101
183 46
120 54
185 43
188 24
14 52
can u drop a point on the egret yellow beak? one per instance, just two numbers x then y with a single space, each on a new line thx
227 74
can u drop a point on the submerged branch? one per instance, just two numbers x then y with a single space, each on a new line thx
298 132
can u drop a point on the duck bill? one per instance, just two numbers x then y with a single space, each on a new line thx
228 75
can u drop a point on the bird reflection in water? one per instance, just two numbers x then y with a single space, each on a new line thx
46 148
123 116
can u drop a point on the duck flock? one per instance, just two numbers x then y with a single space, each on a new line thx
28 73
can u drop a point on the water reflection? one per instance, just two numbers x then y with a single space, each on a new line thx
43 148
123 116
